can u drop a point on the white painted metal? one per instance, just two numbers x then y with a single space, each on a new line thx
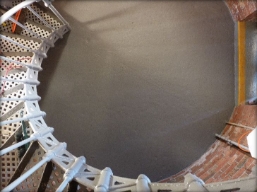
48 156
193 183
24 118
29 82
143 183
71 172
232 142
243 184
25 28
33 137
104 180
31 66
12 11
21 45
251 140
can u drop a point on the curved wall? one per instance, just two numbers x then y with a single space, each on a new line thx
223 162
47 163
141 87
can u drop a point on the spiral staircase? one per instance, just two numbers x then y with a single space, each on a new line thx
32 159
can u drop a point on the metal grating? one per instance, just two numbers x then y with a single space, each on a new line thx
16 2
7 46
56 179
51 21
13 71
9 163
21 75
6 27
82 188
7 130
32 182
6 85
17 94
23 59
11 110
7 105
41 32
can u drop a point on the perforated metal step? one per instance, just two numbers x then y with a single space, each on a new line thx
40 30
9 46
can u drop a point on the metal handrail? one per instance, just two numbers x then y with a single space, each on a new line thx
13 10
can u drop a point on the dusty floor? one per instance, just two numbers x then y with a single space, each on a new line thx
141 87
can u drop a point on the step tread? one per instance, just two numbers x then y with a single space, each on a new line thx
46 14
41 30
7 46
33 181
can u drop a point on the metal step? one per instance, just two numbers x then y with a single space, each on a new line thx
27 28
18 59
16 43
32 182
38 8
44 13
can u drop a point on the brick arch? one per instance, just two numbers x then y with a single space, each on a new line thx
223 161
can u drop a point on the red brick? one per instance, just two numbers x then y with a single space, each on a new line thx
226 178
207 175
223 175
223 169
222 161
210 180
215 159
226 153
227 127
210 156
217 175
195 168
244 175
179 173
240 156
166 180
238 174
242 162
233 156
249 169
207 165
249 161
220 164
179 179
230 168
199 171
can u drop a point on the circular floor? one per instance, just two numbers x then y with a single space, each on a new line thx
140 86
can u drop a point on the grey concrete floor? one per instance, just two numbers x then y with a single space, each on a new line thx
140 86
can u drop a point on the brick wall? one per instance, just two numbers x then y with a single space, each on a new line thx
223 161
243 10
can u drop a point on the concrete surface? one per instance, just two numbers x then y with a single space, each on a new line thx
140 86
